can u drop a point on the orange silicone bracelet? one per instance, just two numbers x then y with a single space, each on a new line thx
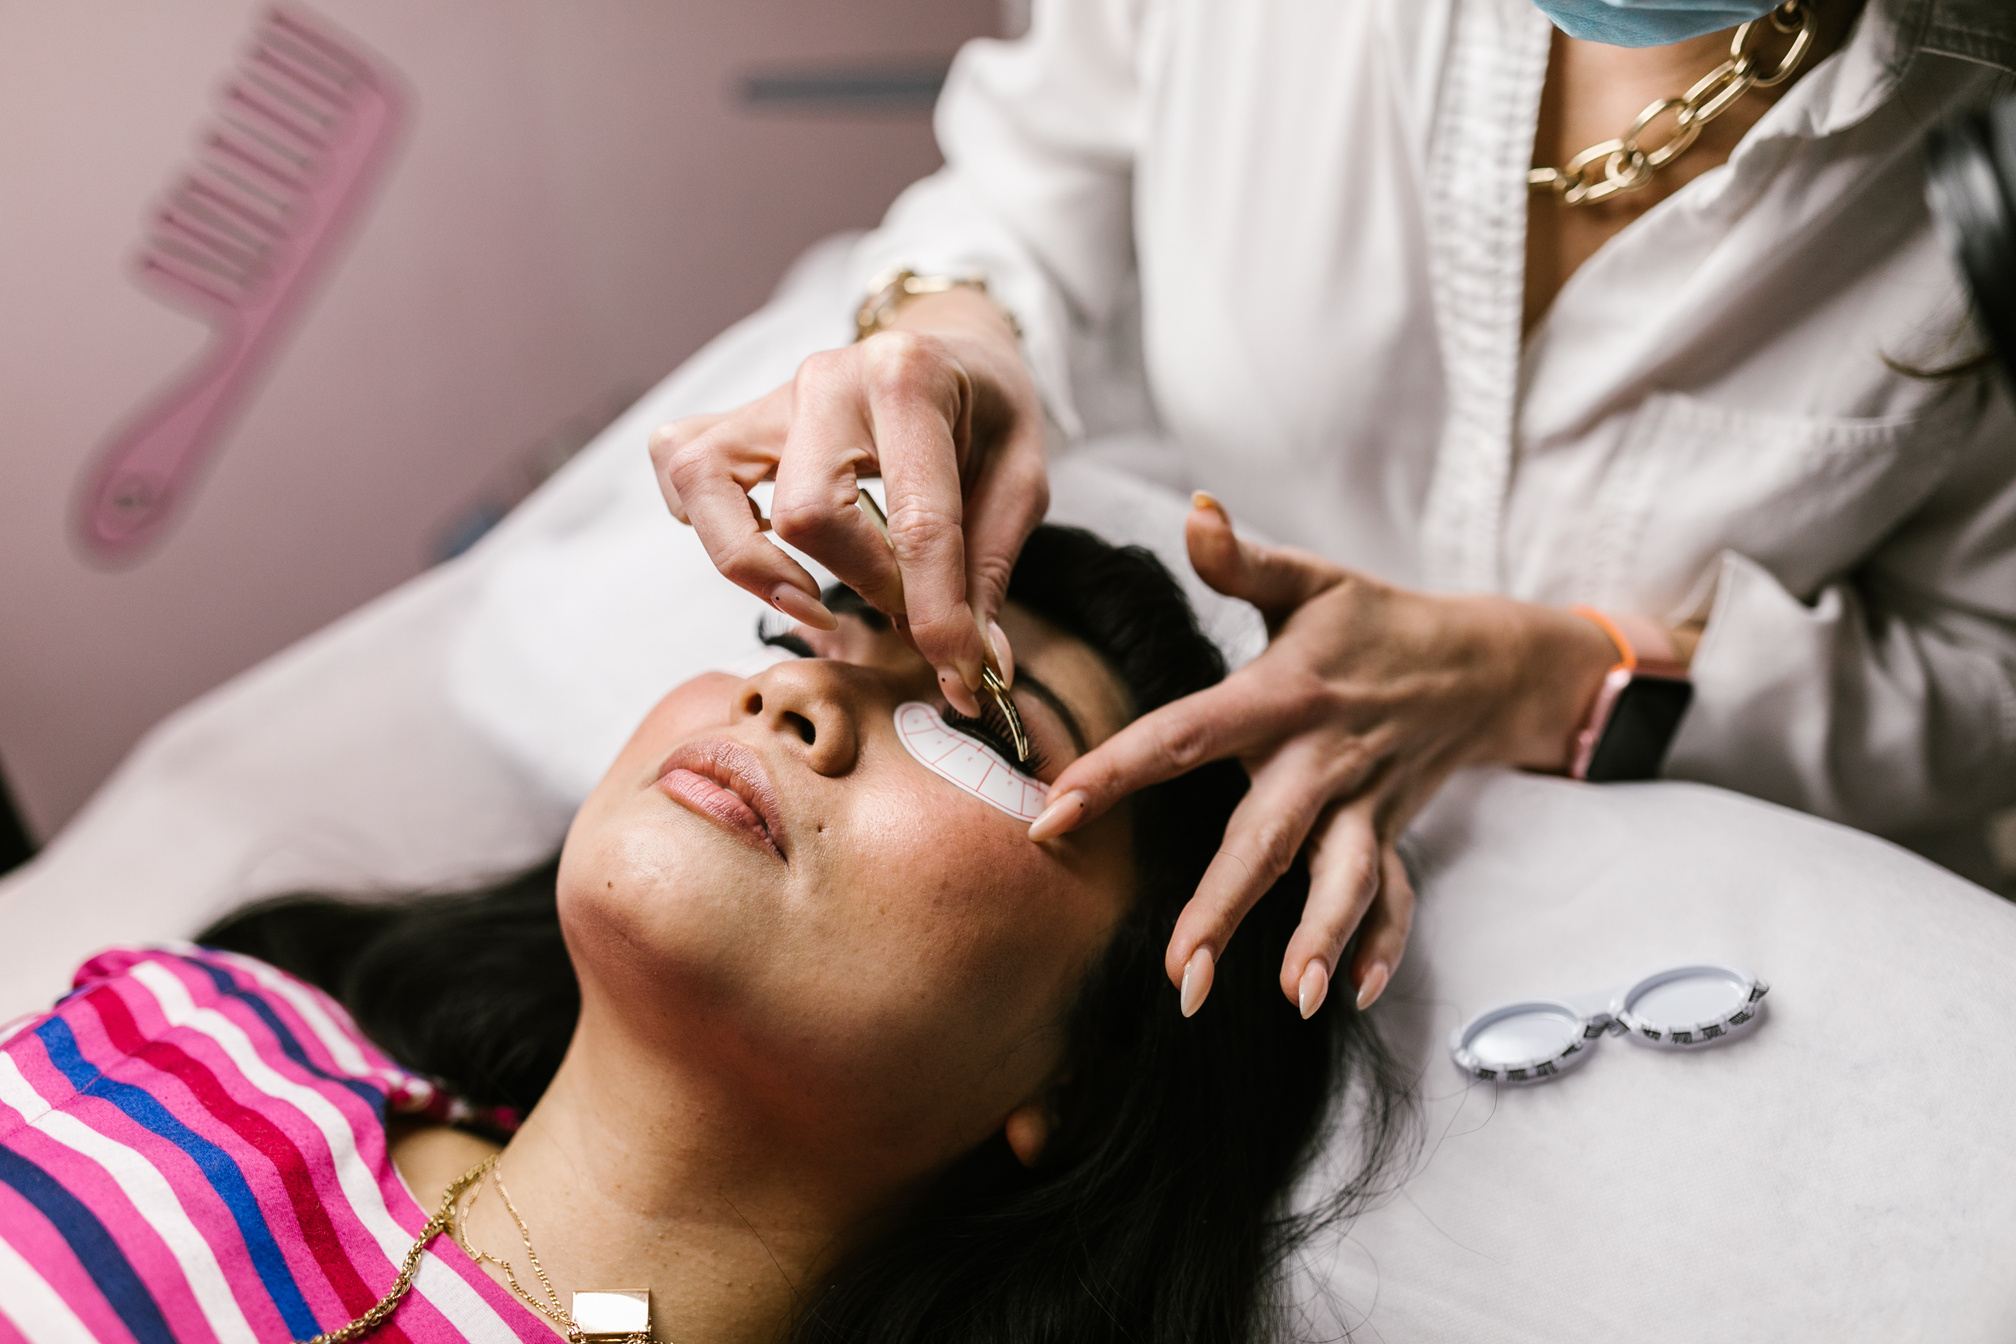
1627 656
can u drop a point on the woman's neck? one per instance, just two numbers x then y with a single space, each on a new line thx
632 1173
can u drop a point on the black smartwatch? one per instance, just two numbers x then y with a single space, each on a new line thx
1639 706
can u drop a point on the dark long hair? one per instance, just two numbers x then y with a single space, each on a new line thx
1159 1210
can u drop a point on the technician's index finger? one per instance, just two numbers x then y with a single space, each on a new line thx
919 411
1009 498
1207 725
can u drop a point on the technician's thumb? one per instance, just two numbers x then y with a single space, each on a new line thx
1275 579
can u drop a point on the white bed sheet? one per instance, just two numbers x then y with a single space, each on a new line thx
1841 1174
1844 1174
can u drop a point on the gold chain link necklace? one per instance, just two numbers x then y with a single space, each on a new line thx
381 1310
634 1304
1627 163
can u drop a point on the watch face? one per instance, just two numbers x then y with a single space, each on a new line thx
1642 723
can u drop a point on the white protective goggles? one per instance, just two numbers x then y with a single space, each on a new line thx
1679 1008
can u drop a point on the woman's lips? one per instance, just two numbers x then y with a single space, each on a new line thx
726 782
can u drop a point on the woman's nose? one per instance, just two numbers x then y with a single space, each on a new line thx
808 704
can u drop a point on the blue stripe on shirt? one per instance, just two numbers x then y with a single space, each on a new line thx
228 986
216 1165
93 1246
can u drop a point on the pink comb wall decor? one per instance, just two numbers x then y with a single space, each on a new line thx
304 130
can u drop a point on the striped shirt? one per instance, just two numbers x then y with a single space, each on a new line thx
193 1149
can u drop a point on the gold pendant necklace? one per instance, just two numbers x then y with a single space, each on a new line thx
597 1316
1626 163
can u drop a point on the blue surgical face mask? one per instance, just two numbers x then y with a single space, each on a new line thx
1649 23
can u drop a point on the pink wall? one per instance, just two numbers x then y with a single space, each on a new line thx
579 203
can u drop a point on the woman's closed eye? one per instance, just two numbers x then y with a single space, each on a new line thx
991 728
783 639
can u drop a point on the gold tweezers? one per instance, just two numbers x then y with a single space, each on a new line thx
990 680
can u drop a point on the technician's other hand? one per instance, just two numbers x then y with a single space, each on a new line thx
1365 700
941 407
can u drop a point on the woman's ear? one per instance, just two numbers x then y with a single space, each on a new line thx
1027 1130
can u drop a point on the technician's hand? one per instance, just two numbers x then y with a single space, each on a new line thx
1365 700
941 407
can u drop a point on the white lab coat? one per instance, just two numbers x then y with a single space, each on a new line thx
1288 237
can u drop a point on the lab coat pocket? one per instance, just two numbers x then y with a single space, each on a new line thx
1807 497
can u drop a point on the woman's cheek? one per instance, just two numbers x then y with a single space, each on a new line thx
688 710
939 859
935 838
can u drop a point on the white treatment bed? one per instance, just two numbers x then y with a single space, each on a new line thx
1846 1173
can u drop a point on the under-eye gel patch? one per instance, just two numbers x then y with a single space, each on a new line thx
973 766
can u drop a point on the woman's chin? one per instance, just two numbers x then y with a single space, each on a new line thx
673 913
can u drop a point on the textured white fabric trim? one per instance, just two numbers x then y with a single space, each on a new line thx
1490 99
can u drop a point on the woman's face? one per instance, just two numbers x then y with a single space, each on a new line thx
769 885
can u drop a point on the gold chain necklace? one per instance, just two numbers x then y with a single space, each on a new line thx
381 1310
1626 163
623 1316
631 1307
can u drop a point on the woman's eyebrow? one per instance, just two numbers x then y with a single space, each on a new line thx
1057 706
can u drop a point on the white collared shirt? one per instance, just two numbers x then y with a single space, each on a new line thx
1289 237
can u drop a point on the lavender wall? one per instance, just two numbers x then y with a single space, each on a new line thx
580 201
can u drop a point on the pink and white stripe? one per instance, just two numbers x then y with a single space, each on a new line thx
186 1154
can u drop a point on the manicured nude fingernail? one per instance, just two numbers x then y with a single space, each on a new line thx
1374 986
1196 981
957 693
1004 657
1204 499
809 610
1062 814
1314 988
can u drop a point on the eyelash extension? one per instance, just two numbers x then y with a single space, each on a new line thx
783 639
992 729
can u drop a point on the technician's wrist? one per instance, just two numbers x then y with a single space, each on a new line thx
963 313
1562 659
973 329
1636 710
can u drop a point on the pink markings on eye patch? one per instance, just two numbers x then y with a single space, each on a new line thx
973 766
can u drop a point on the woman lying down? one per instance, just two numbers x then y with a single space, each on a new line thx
809 1040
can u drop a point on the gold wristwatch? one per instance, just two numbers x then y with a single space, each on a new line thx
895 288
